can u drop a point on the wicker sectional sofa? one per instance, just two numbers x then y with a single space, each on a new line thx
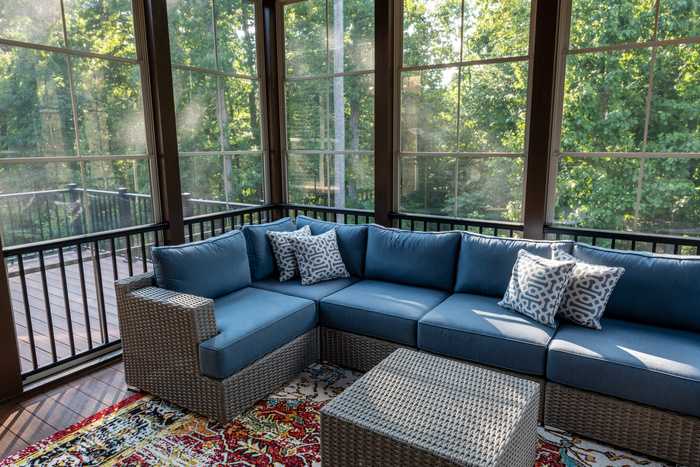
214 330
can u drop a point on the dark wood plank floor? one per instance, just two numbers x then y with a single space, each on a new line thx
27 421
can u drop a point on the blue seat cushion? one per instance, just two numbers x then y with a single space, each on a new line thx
384 310
475 328
423 259
209 268
486 263
252 323
260 256
645 364
660 290
314 292
352 241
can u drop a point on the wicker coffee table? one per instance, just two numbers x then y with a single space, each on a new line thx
415 408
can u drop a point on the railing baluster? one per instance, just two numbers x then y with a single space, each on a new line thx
113 254
99 290
47 304
83 291
27 310
189 231
144 263
66 301
128 255
675 248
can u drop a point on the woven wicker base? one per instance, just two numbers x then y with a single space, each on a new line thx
354 351
340 441
647 430
416 409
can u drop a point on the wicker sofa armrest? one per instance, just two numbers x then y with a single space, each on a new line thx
170 308
161 330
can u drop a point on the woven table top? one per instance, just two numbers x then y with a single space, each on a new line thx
460 412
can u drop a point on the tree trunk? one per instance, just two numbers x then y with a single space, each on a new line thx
339 102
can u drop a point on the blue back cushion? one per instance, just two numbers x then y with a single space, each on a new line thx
210 268
352 241
661 290
424 259
260 256
486 262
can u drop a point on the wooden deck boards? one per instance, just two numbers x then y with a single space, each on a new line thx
84 325
27 421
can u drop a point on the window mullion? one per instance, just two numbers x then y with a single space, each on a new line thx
647 119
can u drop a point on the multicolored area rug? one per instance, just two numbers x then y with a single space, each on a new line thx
280 430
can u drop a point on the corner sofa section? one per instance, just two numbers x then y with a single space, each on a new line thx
197 334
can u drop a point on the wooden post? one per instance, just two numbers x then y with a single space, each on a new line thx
76 209
542 97
163 102
124 208
273 114
10 369
383 112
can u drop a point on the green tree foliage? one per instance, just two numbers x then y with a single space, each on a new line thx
473 109
313 101
605 110
217 99
63 105
41 92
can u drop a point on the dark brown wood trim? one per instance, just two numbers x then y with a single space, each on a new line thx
10 370
542 101
273 112
161 91
383 111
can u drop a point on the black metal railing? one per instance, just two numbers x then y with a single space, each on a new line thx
340 215
63 298
204 226
439 224
38 216
627 240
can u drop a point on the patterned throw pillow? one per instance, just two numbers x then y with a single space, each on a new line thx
284 250
319 258
537 287
588 291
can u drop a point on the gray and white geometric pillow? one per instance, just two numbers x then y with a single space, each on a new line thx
319 258
588 291
537 287
284 250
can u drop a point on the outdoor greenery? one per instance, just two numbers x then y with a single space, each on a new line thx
463 113
217 99
327 112
629 134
